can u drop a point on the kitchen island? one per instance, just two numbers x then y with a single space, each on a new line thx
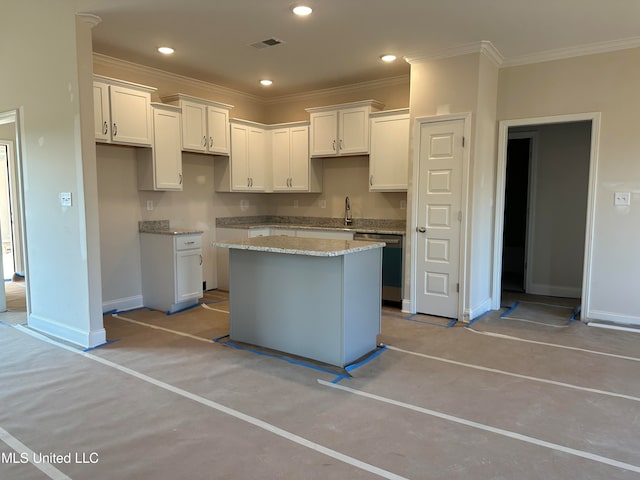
315 298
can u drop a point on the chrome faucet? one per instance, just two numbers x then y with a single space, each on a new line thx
347 212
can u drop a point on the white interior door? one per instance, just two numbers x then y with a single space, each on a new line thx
439 217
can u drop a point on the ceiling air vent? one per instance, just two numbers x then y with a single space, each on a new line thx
269 42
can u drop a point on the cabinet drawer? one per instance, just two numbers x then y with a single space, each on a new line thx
188 242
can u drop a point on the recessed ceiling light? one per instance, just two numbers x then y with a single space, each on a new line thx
166 50
266 82
388 58
302 10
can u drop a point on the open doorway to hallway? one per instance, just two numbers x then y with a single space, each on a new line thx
6 215
544 208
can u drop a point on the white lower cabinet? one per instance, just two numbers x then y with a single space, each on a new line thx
171 270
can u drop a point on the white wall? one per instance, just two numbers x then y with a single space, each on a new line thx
49 90
606 83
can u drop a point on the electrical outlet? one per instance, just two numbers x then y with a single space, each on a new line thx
65 199
244 205
149 205
622 199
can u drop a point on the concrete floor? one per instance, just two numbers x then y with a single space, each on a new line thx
499 400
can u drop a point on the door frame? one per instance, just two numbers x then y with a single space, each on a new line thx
15 117
503 134
464 226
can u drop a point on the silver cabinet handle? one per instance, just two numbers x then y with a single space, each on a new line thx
210 142
371 180
334 146
341 144
180 178
248 182
200 259
189 243
204 141
421 229
115 129
251 182
105 128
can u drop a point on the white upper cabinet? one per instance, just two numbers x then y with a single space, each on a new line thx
205 124
293 171
389 157
246 168
341 129
122 112
160 168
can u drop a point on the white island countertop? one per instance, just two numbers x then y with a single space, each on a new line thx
301 246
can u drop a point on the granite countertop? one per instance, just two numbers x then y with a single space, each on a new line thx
396 227
301 246
161 227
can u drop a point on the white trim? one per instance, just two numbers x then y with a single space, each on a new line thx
84 338
570 52
613 327
474 312
614 317
484 47
125 303
504 126
464 202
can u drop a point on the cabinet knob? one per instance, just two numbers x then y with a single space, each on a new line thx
105 128
421 229
115 129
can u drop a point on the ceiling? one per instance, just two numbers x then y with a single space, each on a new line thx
341 41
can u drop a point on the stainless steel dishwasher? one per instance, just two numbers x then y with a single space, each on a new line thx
391 263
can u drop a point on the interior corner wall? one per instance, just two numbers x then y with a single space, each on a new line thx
605 83
463 84
44 88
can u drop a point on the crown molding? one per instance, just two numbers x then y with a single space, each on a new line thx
564 53
484 47
343 89
89 18
135 68
106 61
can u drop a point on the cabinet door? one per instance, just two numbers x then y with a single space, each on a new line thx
218 130
188 275
239 158
280 152
353 136
389 159
257 159
194 126
101 114
130 116
324 127
299 163
166 150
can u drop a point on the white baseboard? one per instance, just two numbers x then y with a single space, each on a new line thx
474 312
595 315
127 303
73 335
554 290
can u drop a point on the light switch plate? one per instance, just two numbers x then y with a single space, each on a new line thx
65 199
622 199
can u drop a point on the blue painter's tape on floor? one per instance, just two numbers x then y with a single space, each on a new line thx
353 366
131 310
108 342
217 339
468 325
272 355
515 305
4 324
110 312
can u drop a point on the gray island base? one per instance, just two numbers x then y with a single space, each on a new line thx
314 298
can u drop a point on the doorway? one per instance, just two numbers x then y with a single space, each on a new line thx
544 207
